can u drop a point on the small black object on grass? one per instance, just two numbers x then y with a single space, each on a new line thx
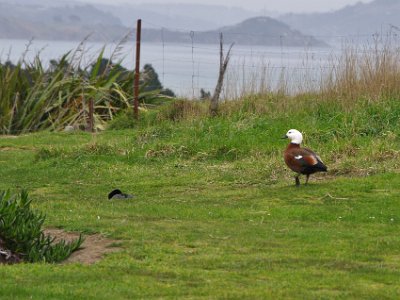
117 194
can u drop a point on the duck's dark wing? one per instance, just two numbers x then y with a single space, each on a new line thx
113 193
117 194
309 161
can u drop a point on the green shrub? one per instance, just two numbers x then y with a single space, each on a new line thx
124 120
182 109
21 231
48 153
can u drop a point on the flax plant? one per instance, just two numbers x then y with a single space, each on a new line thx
34 98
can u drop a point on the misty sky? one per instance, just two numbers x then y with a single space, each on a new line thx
269 5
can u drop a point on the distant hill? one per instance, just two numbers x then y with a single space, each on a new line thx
362 19
255 31
41 19
197 17
264 31
19 21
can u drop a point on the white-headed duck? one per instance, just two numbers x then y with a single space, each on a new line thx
301 160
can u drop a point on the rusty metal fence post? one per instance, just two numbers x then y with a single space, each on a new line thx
137 70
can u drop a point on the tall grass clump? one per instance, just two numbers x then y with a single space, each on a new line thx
370 72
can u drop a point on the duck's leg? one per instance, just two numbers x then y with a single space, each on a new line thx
297 180
308 176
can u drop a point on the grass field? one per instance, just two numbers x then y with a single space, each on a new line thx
216 213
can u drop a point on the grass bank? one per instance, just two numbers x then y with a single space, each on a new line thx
216 213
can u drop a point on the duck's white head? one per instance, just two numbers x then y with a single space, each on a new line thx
294 136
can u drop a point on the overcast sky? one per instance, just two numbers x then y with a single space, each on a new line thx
269 5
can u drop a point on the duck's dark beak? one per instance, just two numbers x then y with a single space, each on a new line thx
285 137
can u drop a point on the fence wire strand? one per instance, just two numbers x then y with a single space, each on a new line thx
193 65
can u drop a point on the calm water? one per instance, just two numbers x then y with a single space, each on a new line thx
186 68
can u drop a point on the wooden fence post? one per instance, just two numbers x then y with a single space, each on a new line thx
223 64
91 116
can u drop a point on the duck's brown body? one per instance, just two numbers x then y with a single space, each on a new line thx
303 161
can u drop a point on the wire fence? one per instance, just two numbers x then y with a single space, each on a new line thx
191 66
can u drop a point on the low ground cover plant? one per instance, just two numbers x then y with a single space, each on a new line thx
21 233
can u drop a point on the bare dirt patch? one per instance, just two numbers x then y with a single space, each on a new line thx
92 250
9 148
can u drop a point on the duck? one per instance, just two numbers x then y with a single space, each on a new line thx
303 161
117 194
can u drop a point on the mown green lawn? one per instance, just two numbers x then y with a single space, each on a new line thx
220 219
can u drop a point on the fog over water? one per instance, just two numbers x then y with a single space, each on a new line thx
268 5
